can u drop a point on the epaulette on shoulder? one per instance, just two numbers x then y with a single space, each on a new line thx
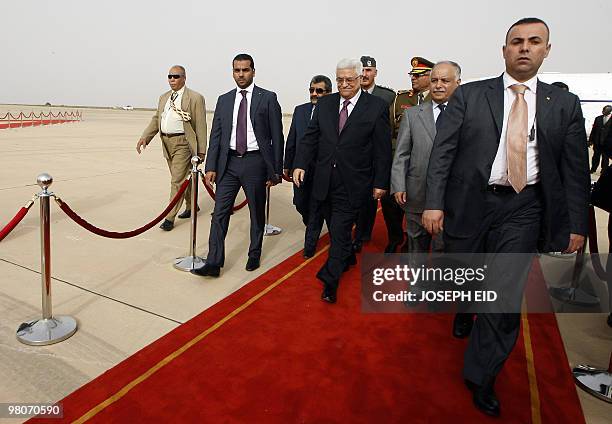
402 92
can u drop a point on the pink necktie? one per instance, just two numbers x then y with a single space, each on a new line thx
343 115
516 139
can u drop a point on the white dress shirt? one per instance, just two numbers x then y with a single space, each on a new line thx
251 140
371 89
171 122
436 109
499 171
351 105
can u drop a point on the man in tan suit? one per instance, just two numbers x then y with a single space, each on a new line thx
181 122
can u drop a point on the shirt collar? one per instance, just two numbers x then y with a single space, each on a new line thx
249 89
532 84
371 89
436 104
353 99
180 92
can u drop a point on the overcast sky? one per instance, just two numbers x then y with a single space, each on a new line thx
118 52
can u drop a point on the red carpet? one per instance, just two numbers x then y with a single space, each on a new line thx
285 356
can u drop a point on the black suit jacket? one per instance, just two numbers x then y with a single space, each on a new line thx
362 151
299 123
465 146
600 132
266 117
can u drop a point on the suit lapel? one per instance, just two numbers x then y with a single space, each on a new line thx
427 117
358 109
185 100
544 102
495 97
230 99
255 100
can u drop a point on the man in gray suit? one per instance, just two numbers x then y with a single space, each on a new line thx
415 140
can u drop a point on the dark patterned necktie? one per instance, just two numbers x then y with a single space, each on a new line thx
241 125
442 107
343 115
420 98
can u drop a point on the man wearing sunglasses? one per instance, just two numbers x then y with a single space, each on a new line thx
312 217
180 121
347 140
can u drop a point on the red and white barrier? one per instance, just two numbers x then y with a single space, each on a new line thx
22 120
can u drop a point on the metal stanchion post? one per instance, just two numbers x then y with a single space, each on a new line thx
270 230
49 329
192 261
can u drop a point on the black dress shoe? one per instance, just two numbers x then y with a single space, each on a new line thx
252 264
357 245
484 397
207 271
329 294
308 253
610 320
167 225
186 213
462 325
391 247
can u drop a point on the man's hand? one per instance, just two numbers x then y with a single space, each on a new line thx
433 221
377 193
142 144
209 178
400 198
576 242
273 181
298 176
286 173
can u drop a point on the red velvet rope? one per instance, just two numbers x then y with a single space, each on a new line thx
212 195
123 235
13 223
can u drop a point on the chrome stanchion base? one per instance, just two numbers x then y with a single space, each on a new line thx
271 230
189 262
574 296
47 331
594 381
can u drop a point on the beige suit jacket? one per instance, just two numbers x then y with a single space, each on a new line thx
195 130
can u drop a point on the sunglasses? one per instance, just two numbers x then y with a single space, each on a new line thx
319 90
174 76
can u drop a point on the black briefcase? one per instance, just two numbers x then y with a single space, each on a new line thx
601 195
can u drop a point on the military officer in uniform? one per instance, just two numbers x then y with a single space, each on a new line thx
418 94
393 214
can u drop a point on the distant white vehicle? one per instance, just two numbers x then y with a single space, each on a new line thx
128 107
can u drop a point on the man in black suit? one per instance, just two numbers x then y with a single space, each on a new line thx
245 151
348 136
392 212
597 138
508 173
310 209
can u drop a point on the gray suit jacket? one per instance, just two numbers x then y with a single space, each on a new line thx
414 142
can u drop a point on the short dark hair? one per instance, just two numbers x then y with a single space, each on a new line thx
182 68
561 85
526 21
322 78
244 56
